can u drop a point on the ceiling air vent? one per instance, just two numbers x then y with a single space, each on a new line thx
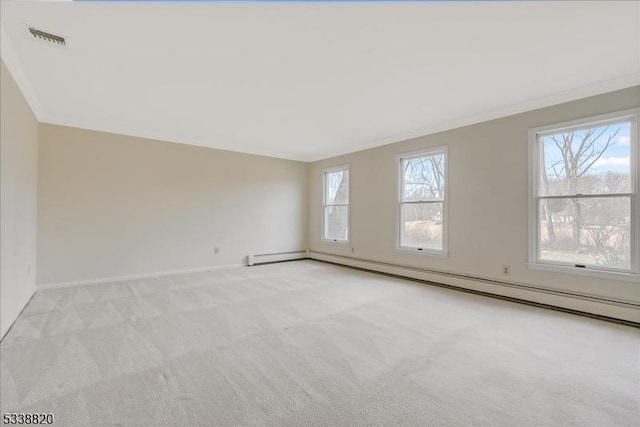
48 37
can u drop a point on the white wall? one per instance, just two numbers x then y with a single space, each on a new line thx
18 200
112 205
488 199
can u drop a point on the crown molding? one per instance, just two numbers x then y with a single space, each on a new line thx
611 85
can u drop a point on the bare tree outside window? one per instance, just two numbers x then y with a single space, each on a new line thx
422 201
584 196
336 205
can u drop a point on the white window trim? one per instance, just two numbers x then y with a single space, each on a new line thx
534 165
445 203
324 206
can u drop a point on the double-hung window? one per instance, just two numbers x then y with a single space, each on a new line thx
422 206
584 195
336 205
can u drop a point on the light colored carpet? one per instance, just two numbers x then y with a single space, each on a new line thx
306 344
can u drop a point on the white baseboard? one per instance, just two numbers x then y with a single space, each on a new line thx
258 259
623 310
131 277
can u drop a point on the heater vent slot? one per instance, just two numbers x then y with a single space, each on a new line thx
48 37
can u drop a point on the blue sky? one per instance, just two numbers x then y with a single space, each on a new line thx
292 1
615 159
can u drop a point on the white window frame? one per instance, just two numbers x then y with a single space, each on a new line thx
534 177
445 202
325 205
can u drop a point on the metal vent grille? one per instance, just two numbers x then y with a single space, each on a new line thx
48 37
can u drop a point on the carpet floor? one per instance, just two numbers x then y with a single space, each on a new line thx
311 344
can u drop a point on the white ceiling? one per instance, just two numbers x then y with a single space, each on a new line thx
307 81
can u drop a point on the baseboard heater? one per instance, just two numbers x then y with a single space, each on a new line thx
260 259
467 277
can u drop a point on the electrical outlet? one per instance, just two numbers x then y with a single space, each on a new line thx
506 270
353 249
216 251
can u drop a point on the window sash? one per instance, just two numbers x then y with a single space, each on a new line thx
422 248
326 206
586 125
401 162
325 174
325 230
422 155
588 266
535 177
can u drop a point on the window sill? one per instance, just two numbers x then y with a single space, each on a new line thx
427 252
336 242
591 272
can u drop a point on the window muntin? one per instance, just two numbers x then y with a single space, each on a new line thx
336 205
422 204
585 195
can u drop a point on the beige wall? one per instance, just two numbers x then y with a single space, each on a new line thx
18 200
112 205
488 199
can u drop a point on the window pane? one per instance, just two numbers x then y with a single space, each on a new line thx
423 178
336 222
590 231
587 161
337 187
421 225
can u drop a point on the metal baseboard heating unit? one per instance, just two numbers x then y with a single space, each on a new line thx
259 259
